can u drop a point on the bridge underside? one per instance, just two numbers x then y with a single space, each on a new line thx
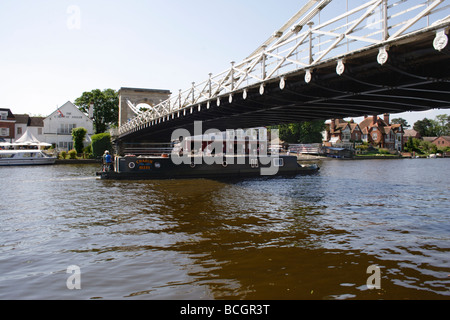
415 78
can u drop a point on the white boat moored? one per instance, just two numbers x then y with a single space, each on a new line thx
24 157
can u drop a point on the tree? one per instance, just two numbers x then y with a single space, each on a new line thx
106 107
401 121
434 128
424 127
443 125
78 135
304 132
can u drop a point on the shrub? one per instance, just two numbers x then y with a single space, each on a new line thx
72 154
87 151
100 143
362 147
63 154
78 135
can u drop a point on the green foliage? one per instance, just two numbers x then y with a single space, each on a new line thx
444 149
362 147
412 145
443 125
420 146
106 107
304 132
73 154
100 143
88 152
434 128
87 149
63 155
78 135
401 121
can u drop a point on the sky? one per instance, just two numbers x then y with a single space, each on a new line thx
53 51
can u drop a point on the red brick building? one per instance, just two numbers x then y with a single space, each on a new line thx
381 133
374 130
344 131
7 125
442 142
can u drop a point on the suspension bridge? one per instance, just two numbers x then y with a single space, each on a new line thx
371 57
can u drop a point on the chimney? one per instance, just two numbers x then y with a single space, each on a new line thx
365 116
386 118
374 119
332 126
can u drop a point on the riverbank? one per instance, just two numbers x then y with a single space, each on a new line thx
77 161
305 157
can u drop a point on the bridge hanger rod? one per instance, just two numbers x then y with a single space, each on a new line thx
290 23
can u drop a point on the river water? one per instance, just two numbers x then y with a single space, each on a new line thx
304 237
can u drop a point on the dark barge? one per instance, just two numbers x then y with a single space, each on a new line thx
164 167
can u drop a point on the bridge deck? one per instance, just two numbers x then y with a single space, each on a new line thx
415 78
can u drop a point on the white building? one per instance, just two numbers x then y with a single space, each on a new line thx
34 125
58 126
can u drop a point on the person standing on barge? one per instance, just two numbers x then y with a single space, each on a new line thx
107 162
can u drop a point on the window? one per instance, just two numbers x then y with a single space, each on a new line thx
66 128
28 155
3 115
65 145
374 136
4 132
6 155
19 130
39 131
278 162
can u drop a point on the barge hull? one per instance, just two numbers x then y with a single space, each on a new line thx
137 168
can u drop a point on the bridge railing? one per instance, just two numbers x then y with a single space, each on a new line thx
301 44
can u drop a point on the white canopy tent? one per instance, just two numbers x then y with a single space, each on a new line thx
28 139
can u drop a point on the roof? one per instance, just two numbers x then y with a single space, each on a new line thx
354 126
447 138
341 124
10 114
398 128
60 111
22 118
29 121
411 133
368 122
36 122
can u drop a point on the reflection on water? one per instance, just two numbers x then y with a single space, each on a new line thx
304 237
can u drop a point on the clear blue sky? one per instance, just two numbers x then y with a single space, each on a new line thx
53 51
